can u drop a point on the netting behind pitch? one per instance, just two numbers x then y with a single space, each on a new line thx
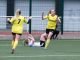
71 27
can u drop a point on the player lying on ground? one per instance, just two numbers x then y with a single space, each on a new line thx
17 28
51 25
30 41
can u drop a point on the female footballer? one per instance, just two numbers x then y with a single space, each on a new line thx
17 28
51 25
30 40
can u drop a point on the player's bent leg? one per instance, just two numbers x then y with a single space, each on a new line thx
56 35
48 39
43 39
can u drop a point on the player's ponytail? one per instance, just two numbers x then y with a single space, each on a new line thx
19 12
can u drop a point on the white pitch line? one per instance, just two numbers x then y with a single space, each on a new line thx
39 56
9 45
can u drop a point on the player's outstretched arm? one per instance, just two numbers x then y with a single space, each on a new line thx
59 19
8 20
43 16
29 19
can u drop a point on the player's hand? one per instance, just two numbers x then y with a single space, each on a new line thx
42 15
30 17
59 19
8 19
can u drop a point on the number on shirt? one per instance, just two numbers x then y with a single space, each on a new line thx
19 21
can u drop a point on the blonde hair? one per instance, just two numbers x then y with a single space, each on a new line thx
18 12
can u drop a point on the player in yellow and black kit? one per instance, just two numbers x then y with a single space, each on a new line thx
17 28
51 25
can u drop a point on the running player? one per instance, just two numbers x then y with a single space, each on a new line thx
51 25
17 28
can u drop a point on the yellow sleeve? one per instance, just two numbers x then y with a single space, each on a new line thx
45 17
25 20
12 20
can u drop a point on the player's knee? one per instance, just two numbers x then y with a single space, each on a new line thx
43 37
17 37
49 35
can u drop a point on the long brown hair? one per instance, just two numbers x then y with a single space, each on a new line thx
50 11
